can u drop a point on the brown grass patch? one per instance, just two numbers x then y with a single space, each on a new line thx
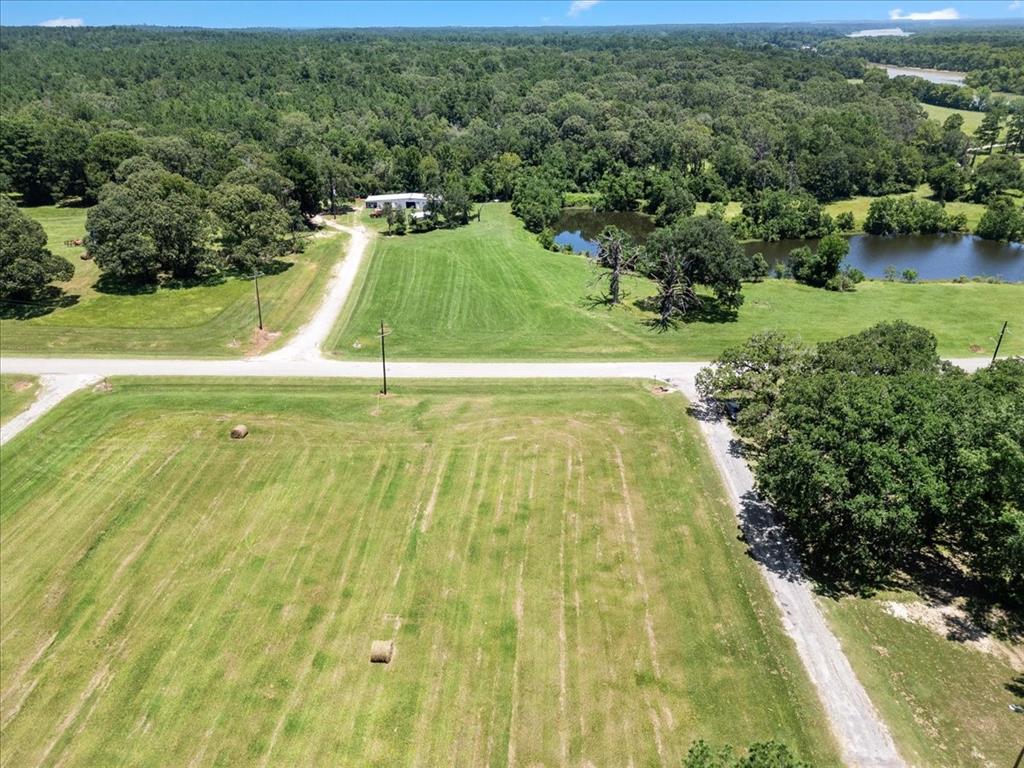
952 622
260 341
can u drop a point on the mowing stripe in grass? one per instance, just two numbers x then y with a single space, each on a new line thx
233 587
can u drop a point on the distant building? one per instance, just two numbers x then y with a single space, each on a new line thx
413 200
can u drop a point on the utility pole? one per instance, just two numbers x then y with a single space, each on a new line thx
999 341
259 307
383 359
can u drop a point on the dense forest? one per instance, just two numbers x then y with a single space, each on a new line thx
666 116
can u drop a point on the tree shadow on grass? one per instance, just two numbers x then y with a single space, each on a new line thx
710 311
123 287
42 303
275 267
1016 686
598 301
940 580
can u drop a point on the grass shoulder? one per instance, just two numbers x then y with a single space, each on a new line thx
16 393
944 695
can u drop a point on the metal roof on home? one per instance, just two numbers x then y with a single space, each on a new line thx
395 197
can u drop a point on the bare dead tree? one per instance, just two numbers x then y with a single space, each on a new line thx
617 254
677 293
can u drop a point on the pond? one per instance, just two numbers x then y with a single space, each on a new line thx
946 76
935 257
579 227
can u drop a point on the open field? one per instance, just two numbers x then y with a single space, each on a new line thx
489 291
16 393
732 209
971 118
859 205
212 320
557 565
946 702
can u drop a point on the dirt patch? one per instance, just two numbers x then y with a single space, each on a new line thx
953 623
22 385
976 349
660 390
104 386
260 341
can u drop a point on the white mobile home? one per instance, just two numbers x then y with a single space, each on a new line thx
413 200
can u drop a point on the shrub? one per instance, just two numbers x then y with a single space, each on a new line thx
821 266
845 222
909 215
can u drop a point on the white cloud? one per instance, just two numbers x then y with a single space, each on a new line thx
1015 5
946 14
60 21
579 6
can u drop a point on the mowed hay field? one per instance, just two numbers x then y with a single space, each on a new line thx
556 564
489 291
216 319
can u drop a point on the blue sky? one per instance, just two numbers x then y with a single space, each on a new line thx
321 13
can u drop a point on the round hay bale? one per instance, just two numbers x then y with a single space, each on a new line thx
238 432
381 651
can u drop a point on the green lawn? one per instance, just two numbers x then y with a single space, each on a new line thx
971 118
16 393
557 564
945 702
215 320
732 209
489 291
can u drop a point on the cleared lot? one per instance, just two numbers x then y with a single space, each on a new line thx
557 567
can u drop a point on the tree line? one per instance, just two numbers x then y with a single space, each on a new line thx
881 457
346 113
